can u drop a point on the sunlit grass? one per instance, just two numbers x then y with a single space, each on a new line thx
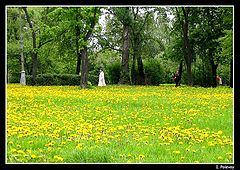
119 124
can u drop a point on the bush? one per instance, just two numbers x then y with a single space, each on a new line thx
154 73
14 78
113 72
93 76
55 79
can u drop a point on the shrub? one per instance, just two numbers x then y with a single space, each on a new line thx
154 74
55 79
113 72
14 78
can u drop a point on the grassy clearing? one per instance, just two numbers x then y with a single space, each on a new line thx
119 124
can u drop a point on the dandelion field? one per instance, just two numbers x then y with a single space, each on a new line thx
119 124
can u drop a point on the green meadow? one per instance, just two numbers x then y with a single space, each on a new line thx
119 124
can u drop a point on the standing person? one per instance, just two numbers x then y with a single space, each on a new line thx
220 80
174 77
177 79
101 81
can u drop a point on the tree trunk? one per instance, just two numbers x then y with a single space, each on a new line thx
141 76
124 76
133 70
214 72
189 74
78 63
187 48
180 72
77 50
84 56
84 72
34 52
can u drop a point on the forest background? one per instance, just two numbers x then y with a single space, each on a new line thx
136 45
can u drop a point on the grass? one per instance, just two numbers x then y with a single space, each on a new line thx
119 124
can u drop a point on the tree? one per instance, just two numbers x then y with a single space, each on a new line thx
124 16
77 24
184 21
209 28
141 17
34 45
226 42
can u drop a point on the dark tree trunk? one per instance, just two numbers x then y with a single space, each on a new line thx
180 72
214 73
78 63
77 50
141 77
84 56
34 53
133 70
34 66
124 77
189 74
84 72
187 48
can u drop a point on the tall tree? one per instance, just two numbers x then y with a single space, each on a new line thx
141 18
123 15
184 21
209 27
76 25
34 46
84 73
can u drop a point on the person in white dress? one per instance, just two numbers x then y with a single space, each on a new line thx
101 81
220 80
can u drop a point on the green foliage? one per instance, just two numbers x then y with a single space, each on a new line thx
55 79
226 43
93 76
114 70
224 72
210 36
14 77
202 75
154 73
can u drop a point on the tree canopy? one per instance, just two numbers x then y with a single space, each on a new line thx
126 42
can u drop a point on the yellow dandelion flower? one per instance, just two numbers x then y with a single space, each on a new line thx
59 158
20 151
176 152
29 151
11 142
13 150
79 146
194 151
49 144
33 156
220 158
